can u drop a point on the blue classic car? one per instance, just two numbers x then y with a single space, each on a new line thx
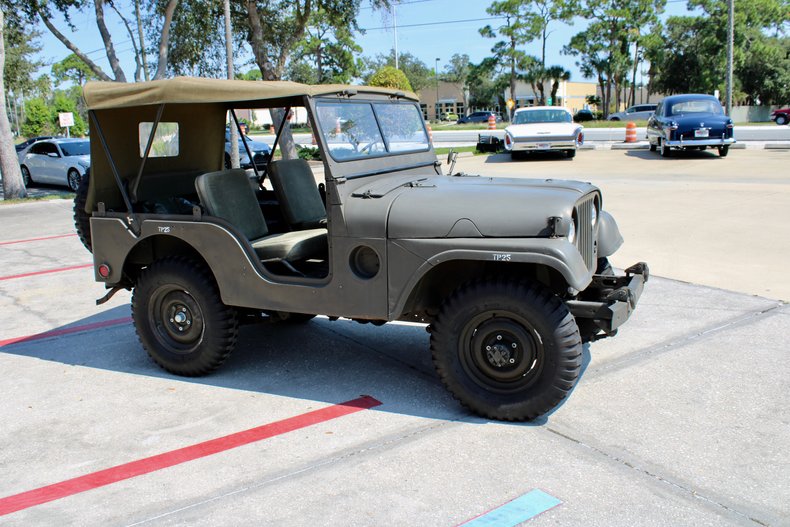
690 122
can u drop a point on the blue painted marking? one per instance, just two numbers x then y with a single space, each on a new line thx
517 511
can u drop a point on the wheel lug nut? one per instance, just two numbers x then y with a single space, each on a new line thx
180 328
514 345
171 320
512 361
488 348
499 337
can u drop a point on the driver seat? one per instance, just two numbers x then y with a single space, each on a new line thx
297 192
227 194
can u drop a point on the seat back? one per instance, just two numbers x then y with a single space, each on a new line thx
227 194
297 192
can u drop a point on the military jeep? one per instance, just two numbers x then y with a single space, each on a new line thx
509 275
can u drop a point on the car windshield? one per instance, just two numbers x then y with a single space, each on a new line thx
357 130
696 106
77 148
542 116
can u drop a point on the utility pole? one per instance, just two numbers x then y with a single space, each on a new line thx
234 133
395 27
730 45
436 76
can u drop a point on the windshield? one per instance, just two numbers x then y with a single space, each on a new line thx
79 148
359 129
542 116
696 106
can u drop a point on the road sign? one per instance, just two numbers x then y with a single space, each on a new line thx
66 119
510 104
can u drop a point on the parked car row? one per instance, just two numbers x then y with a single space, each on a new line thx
57 161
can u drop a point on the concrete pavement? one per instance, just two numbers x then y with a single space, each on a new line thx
682 419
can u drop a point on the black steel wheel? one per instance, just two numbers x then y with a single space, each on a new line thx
26 179
570 154
506 350
724 150
73 180
180 318
82 220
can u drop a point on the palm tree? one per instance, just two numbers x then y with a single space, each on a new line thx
557 74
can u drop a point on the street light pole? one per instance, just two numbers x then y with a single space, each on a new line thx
436 76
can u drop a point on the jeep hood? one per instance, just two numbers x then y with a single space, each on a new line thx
471 206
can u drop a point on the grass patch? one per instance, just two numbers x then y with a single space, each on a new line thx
29 199
444 150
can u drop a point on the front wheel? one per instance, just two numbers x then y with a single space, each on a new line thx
724 150
781 119
73 180
506 349
665 150
180 318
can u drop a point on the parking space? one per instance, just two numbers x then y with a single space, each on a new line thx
680 420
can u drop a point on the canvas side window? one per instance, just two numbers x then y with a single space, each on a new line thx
165 139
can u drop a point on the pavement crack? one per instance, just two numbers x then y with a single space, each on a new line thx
666 346
658 477
372 446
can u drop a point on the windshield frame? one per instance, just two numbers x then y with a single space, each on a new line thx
377 120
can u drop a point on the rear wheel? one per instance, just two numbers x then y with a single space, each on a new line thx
652 147
570 154
506 349
82 220
781 119
27 180
724 150
180 318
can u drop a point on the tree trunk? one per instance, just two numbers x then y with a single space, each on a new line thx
115 65
69 44
142 38
636 67
13 186
161 67
269 73
234 132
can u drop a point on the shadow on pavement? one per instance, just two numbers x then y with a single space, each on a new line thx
676 154
319 360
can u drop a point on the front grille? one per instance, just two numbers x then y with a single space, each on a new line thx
585 238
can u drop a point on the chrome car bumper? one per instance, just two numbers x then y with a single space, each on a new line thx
543 145
701 142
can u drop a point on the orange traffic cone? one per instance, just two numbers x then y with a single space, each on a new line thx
491 122
630 133
430 133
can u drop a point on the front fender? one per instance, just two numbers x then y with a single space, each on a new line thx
609 237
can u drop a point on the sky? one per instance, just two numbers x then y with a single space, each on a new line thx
428 29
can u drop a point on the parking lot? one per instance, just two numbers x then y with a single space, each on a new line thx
682 419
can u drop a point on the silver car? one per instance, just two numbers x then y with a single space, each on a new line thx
640 112
56 161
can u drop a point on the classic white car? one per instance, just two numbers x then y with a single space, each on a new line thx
541 129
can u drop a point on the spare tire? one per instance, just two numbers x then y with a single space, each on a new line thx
82 222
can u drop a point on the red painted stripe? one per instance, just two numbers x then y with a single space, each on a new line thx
66 331
108 476
47 271
39 239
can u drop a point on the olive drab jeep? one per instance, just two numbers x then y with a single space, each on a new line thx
510 275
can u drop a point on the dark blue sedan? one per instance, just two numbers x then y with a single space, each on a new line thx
690 122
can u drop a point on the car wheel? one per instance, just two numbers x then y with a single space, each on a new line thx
516 155
570 154
73 180
180 318
27 180
506 349
652 147
665 150
82 220
781 119
724 150
614 118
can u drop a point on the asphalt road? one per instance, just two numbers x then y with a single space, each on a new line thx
682 419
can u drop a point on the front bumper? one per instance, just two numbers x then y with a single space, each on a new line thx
701 142
609 300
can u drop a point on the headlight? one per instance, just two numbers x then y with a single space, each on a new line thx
571 231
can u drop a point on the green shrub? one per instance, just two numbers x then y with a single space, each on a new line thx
389 77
